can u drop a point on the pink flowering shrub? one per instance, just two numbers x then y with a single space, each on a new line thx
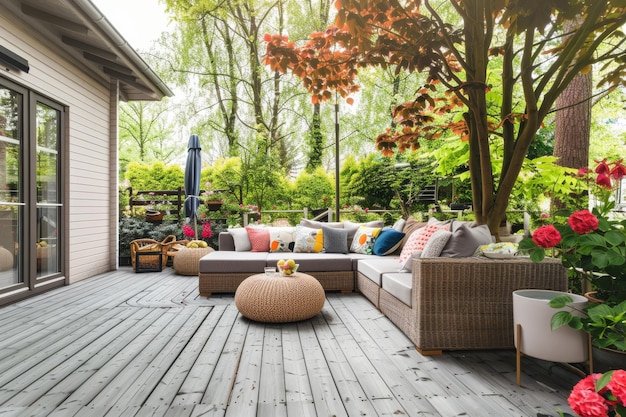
598 394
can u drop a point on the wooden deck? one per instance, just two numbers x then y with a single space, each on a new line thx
126 344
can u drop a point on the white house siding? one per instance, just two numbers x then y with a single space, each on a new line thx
90 177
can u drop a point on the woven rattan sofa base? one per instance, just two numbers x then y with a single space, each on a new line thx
368 288
216 283
467 303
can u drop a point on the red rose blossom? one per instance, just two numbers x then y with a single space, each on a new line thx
583 222
546 236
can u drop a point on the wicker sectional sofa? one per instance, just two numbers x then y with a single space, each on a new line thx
442 304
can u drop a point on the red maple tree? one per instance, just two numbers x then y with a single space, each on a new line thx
522 40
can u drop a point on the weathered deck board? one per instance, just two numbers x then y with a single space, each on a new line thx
139 345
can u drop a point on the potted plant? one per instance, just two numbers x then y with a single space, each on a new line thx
156 209
606 324
213 198
591 243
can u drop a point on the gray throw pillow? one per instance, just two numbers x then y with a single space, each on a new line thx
335 240
436 243
464 241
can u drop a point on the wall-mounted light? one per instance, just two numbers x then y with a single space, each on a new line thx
13 60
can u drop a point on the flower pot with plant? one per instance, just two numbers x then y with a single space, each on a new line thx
604 323
593 245
212 198
590 243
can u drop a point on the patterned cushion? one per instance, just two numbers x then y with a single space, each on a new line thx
259 238
352 227
364 238
308 239
282 239
418 239
410 226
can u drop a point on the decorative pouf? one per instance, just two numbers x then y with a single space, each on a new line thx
278 299
187 260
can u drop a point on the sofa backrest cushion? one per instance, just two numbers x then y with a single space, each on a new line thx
436 243
240 239
259 238
387 242
364 238
308 239
314 224
410 226
465 239
282 239
417 241
352 227
335 240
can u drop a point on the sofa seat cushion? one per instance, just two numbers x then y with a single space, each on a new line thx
399 285
311 262
375 268
231 261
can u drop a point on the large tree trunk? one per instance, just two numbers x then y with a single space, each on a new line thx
573 121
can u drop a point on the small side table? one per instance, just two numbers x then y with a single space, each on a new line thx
278 299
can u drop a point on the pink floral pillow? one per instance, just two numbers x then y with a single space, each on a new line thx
259 239
417 241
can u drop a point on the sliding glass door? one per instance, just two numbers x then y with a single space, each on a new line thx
31 206
11 197
48 198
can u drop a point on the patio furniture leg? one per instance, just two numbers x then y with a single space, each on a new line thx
518 354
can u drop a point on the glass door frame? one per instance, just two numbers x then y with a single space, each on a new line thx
27 219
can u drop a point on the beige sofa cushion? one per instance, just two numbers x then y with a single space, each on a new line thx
399 285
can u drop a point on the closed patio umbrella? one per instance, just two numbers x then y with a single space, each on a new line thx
192 178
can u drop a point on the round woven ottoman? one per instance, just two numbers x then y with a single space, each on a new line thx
280 299
187 260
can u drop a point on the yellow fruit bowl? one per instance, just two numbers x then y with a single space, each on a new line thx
287 268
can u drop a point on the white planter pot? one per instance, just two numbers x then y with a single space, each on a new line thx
533 313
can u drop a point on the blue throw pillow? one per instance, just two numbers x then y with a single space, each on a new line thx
387 242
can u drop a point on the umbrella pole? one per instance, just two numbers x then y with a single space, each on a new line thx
195 217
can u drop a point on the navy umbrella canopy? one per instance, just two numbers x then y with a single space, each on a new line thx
192 176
